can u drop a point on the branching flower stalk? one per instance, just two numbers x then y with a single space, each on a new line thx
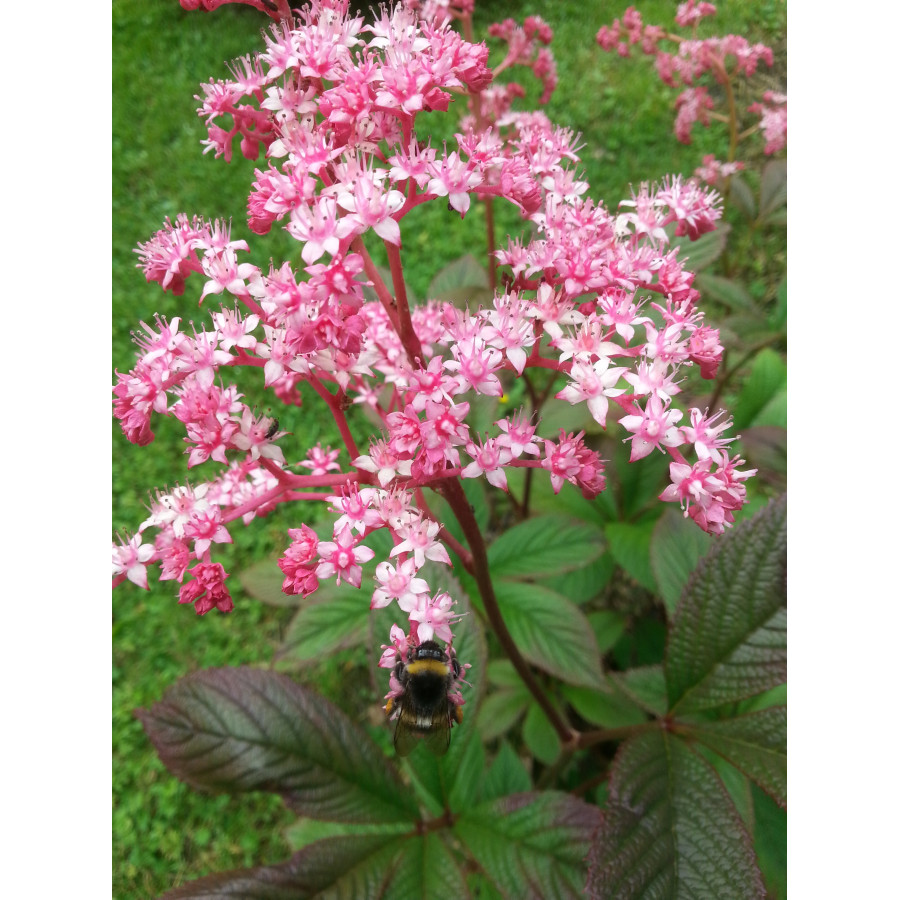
600 300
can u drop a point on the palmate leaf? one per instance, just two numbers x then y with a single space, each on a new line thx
756 744
544 545
408 867
551 631
670 830
242 729
676 546
531 845
728 639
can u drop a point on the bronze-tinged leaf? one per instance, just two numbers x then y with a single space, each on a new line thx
242 729
670 830
728 638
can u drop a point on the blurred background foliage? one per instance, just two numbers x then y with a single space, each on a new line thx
160 55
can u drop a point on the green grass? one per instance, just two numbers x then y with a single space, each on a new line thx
165 833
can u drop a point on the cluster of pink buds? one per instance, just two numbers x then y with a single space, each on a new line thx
722 58
601 300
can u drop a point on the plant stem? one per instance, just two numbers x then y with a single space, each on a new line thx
453 493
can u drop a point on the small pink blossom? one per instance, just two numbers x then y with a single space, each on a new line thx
397 583
704 435
343 558
655 427
594 384
420 539
207 589
488 459
434 616
321 462
130 559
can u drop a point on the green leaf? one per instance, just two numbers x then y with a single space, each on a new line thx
646 686
305 831
636 484
531 845
767 377
242 729
342 868
777 696
608 627
773 188
630 547
539 735
670 829
545 545
727 640
676 546
585 584
426 870
770 838
765 448
609 708
263 581
452 781
507 774
755 743
742 197
465 272
705 250
778 316
551 632
339 618
729 293
774 413
500 711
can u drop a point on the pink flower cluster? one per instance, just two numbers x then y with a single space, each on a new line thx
600 299
723 58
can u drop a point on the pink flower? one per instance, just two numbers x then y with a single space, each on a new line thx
256 436
709 498
705 350
396 650
594 384
130 559
321 462
175 510
705 436
206 528
298 562
397 583
207 591
343 558
420 539
434 616
488 459
655 427
518 435
383 462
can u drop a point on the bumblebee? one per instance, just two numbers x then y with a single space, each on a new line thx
425 709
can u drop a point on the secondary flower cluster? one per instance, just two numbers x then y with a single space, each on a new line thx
601 300
723 58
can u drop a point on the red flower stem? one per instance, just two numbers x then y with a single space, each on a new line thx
464 555
338 413
378 285
453 493
408 337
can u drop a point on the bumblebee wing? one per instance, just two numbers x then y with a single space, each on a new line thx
405 736
438 738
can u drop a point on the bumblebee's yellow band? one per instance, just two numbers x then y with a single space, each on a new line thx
431 666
